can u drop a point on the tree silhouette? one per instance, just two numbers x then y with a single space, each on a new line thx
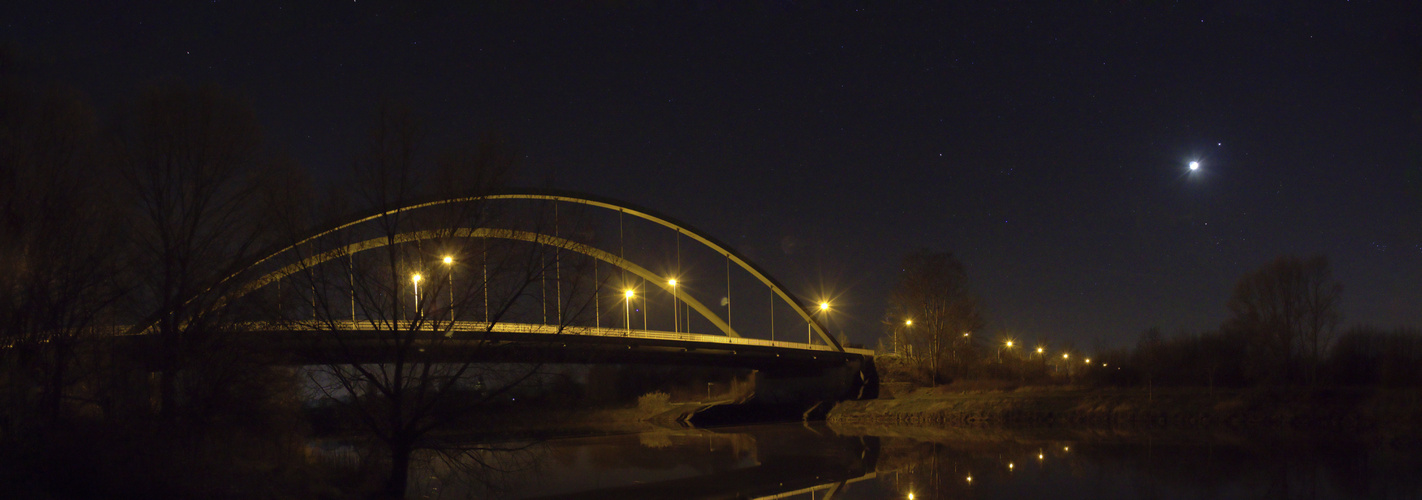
1288 310
932 291
57 240
190 165
424 291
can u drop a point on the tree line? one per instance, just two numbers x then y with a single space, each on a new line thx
1283 328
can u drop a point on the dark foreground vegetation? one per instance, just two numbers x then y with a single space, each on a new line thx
136 243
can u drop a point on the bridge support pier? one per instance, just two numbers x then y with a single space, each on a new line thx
796 394
856 379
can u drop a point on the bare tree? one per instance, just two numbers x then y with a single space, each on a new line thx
1288 309
403 305
56 236
932 291
1150 347
190 162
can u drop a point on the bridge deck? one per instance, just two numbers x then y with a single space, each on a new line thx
544 330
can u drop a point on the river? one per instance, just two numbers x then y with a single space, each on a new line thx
819 461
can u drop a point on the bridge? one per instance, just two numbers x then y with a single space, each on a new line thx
522 342
475 280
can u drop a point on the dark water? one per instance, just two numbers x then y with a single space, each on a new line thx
819 462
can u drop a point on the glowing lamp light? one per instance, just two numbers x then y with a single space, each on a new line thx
910 497
628 293
1039 350
1088 361
1009 343
416 277
672 282
1065 356
908 322
1194 165
824 306
448 260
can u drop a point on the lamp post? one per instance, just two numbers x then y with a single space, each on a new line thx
908 323
415 278
824 306
1005 345
449 266
627 308
676 313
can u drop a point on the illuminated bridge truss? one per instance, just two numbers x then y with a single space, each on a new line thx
298 257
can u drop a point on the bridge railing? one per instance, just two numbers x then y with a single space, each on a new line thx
541 329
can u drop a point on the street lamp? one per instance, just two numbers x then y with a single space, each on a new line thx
824 306
415 278
627 308
1005 345
449 266
908 323
676 313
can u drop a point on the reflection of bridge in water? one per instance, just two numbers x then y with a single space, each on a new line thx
781 461
826 491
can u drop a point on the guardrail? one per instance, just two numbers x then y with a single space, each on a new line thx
539 329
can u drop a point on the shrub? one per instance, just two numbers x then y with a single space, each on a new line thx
654 400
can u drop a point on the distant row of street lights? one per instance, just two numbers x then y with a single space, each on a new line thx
1006 344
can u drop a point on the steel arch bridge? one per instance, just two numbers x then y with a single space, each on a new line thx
728 335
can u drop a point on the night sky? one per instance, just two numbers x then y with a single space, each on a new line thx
1046 143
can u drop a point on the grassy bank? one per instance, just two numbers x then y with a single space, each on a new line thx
1351 409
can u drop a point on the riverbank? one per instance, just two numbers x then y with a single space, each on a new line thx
541 424
1387 411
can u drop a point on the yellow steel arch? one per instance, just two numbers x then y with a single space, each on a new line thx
747 266
508 234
